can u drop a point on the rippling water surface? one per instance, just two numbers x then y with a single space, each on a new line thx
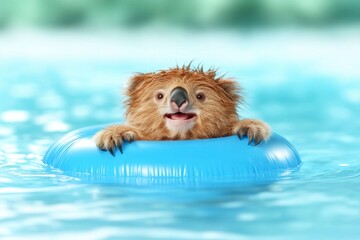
308 90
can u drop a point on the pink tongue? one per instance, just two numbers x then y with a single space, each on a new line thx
179 116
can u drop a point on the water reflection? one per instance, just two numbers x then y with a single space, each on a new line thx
15 116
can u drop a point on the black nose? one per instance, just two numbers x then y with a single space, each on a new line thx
179 96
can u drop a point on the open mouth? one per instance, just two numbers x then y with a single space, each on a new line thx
180 116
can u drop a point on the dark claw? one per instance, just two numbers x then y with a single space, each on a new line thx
119 145
111 150
103 149
250 139
258 140
240 134
120 148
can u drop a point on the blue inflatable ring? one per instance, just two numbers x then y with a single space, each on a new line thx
185 162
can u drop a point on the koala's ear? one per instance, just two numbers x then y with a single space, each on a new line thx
135 81
232 88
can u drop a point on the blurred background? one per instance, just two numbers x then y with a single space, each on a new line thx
196 15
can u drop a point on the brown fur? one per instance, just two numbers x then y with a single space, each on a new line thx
216 115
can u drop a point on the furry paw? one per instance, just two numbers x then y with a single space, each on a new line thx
256 130
112 137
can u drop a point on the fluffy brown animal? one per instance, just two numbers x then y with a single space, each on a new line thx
181 103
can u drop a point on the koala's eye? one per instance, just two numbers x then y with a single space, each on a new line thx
200 96
159 96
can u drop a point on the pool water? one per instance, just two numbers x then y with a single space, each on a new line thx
305 86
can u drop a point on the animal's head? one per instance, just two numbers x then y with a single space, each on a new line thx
182 103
